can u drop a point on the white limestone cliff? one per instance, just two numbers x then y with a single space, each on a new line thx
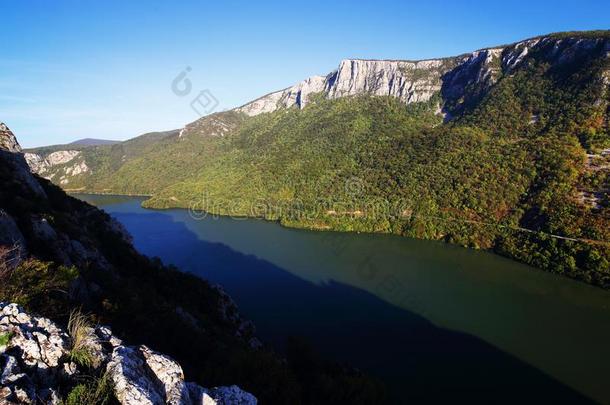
408 81
56 165
419 81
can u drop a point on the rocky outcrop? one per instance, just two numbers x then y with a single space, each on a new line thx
33 362
62 157
470 80
36 162
298 95
409 82
10 153
265 104
64 248
7 139
213 125
36 367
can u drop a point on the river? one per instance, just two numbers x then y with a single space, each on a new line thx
420 315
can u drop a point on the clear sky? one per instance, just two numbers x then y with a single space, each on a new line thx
104 69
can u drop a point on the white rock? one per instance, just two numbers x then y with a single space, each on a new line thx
132 386
232 395
62 157
36 362
264 104
105 335
169 373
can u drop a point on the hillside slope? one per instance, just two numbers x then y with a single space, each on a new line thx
505 148
58 254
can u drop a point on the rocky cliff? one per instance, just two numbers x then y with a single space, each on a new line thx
457 80
60 166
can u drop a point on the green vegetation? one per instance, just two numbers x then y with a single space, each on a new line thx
38 285
97 391
5 338
506 173
581 34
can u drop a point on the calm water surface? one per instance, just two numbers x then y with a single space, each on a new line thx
425 317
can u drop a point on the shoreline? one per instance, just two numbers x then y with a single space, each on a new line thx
73 192
580 276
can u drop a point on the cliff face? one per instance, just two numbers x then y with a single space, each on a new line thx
415 81
58 166
408 81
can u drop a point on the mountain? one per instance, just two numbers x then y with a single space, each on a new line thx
92 142
59 255
505 148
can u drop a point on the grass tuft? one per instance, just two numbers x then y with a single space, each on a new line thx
82 338
5 338
9 256
99 391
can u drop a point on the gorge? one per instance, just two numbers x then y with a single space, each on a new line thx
393 231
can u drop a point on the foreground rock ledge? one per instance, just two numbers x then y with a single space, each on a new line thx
35 362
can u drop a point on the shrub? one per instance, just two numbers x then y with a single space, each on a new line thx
38 286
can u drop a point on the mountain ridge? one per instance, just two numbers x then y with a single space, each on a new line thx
93 142
291 95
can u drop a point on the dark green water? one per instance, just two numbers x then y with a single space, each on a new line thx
423 316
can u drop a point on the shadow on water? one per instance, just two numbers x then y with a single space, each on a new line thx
417 360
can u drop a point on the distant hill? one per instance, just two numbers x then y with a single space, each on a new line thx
93 142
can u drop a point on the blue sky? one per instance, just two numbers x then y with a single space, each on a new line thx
76 69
